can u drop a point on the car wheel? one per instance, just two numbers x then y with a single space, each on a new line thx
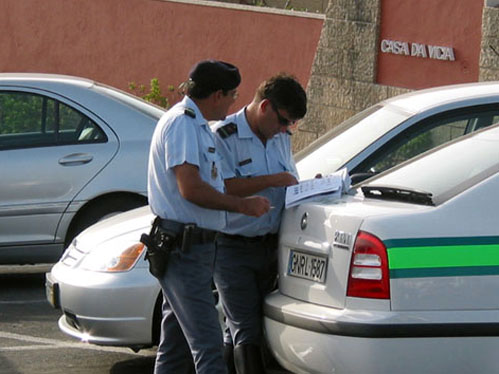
100 209
156 319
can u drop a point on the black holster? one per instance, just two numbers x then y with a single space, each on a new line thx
159 243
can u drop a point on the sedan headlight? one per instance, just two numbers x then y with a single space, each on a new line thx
112 260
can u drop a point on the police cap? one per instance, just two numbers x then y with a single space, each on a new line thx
215 75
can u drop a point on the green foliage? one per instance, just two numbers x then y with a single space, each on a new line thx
30 114
408 150
25 113
13 111
289 6
154 95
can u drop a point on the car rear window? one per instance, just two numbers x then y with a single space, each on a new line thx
450 169
347 140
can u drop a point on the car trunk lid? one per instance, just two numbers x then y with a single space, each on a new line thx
315 250
316 246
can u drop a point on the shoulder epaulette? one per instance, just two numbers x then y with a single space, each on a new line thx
190 112
227 130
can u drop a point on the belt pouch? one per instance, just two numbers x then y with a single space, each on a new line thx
159 243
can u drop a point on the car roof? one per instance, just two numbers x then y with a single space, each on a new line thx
417 101
69 85
41 77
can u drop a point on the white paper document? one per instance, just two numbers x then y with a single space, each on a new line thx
315 189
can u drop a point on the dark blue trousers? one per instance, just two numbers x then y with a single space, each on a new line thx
190 329
245 271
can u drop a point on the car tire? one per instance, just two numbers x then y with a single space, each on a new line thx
100 209
156 320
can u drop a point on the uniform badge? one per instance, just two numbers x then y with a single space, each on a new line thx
214 171
245 162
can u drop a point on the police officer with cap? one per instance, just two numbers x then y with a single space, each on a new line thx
256 150
186 191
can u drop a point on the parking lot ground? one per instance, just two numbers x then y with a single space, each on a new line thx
31 342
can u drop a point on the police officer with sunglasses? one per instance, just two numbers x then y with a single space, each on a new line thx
256 150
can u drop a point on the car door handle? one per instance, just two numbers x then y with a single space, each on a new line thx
76 159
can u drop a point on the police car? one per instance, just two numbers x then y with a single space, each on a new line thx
398 276
102 284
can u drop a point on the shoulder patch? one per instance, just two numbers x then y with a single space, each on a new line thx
190 112
227 130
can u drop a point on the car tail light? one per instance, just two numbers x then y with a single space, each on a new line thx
369 276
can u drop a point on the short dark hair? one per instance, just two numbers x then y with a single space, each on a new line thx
284 91
209 76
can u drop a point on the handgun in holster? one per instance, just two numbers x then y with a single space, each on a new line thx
159 243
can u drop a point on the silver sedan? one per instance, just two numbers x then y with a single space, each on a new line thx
72 151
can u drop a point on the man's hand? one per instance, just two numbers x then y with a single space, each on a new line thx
283 179
254 206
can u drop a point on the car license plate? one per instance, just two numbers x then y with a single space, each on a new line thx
307 266
52 291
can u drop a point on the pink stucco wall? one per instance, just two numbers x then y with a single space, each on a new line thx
450 23
117 41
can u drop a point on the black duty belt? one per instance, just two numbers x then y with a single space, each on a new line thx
251 239
197 234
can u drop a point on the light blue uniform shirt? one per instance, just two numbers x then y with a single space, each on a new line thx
245 156
178 139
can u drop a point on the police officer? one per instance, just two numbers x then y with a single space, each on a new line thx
186 191
255 145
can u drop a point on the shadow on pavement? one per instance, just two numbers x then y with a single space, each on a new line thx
141 365
6 367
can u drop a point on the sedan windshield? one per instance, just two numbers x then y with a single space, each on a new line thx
347 140
446 171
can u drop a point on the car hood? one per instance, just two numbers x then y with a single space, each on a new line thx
124 226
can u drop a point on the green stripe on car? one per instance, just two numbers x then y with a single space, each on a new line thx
443 257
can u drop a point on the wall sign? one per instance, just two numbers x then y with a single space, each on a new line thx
417 50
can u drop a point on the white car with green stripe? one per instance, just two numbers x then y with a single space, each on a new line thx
399 276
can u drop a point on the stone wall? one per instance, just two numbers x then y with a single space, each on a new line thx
489 57
343 76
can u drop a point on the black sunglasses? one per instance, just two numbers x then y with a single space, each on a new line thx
282 121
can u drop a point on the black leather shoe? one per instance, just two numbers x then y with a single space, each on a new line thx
229 358
248 359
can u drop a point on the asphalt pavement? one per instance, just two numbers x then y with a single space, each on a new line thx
31 342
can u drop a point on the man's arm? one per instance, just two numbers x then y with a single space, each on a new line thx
197 191
249 186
